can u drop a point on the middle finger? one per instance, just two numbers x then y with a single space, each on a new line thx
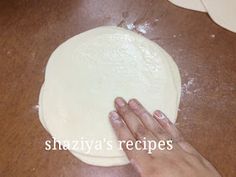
132 121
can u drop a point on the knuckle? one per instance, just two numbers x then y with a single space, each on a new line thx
163 136
142 112
141 131
125 111
160 131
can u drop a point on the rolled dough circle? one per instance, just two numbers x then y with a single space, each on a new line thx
196 5
222 12
86 73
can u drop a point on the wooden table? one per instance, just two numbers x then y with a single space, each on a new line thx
29 32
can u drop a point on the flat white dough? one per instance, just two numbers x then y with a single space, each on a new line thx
190 4
106 161
86 73
101 161
92 160
222 12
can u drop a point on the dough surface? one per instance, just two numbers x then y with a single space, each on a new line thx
86 73
222 12
190 4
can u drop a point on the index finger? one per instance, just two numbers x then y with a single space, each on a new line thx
123 134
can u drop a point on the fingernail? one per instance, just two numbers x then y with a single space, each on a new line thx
114 116
120 102
159 115
133 104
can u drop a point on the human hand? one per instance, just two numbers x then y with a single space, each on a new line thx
131 121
